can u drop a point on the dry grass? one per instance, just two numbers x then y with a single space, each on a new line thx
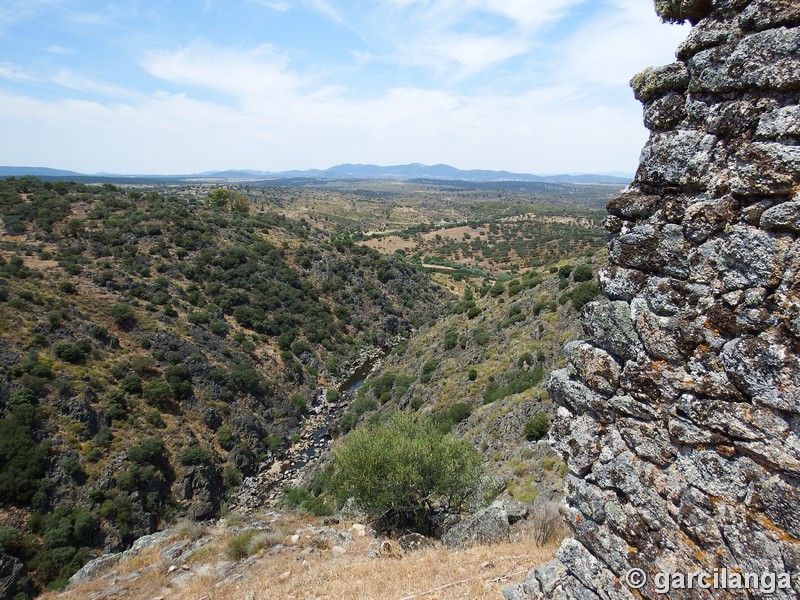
437 574
307 570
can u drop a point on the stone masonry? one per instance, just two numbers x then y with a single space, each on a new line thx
679 418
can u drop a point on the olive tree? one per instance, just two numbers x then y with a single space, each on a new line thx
406 473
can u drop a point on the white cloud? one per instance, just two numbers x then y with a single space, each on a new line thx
258 74
60 50
14 72
273 4
449 37
619 44
13 11
72 80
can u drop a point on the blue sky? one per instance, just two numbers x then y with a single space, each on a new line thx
535 86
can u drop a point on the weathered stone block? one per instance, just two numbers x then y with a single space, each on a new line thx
783 217
612 326
765 60
619 283
677 159
765 169
780 123
766 14
595 366
768 373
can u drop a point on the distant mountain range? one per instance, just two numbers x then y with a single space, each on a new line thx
343 171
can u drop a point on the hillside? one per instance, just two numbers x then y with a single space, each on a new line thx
480 370
155 350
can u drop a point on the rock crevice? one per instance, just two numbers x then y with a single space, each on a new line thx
679 417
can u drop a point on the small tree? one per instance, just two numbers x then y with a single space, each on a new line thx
406 473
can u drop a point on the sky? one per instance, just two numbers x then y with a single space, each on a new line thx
185 86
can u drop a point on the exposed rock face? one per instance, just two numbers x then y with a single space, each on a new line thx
487 526
680 418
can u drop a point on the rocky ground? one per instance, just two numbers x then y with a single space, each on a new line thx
290 555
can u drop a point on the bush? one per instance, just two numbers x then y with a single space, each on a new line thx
158 393
332 395
445 419
405 472
299 498
123 315
132 384
225 437
472 375
515 383
584 293
72 353
582 273
537 427
150 451
21 458
299 402
193 455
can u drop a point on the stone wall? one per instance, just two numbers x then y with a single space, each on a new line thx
679 419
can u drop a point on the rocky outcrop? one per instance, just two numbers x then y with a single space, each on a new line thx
679 418
487 526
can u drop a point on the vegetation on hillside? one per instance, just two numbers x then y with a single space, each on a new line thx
157 349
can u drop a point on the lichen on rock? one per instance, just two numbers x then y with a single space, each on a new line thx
679 417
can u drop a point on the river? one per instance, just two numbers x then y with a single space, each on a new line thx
265 488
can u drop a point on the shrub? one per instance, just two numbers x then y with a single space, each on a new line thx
193 455
537 427
515 383
219 327
225 437
332 395
584 293
450 339
347 422
21 396
231 476
69 352
67 287
299 498
154 418
472 375
582 273
546 521
158 393
132 384
445 419
21 458
123 315
150 451
404 472
299 402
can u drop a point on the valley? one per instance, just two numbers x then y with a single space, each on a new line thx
186 351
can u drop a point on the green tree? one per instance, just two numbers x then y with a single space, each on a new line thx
405 472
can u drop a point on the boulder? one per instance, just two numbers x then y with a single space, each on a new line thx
487 526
